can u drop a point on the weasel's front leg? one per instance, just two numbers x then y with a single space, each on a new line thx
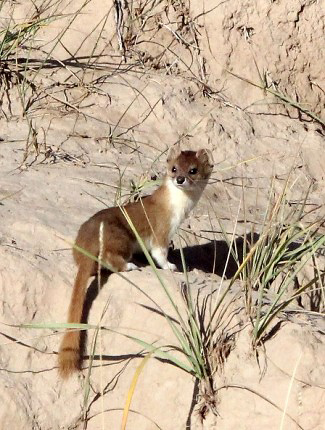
160 256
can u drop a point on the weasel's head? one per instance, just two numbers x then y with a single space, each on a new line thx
189 170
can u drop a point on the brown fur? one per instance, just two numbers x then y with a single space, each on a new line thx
152 217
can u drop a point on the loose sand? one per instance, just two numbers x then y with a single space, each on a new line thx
94 122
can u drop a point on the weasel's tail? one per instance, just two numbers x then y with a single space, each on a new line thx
69 352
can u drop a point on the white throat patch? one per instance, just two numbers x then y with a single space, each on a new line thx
181 203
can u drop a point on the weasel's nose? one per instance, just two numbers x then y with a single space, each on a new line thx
180 180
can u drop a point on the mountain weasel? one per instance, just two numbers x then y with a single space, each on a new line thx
155 217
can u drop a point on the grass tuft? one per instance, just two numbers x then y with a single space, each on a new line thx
273 258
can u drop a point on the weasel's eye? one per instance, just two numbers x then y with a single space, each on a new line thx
193 171
174 169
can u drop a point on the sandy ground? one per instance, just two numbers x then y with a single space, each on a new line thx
91 127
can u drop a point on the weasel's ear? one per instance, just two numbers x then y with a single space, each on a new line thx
205 156
173 152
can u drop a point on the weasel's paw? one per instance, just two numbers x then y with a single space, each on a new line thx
170 266
130 266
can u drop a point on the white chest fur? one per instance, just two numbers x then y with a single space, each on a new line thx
181 203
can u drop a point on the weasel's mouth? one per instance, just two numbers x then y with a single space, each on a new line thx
185 185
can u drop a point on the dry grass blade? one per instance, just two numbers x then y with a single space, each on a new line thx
132 389
289 391
285 99
242 387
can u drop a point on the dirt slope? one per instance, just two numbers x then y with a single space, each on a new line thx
93 122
